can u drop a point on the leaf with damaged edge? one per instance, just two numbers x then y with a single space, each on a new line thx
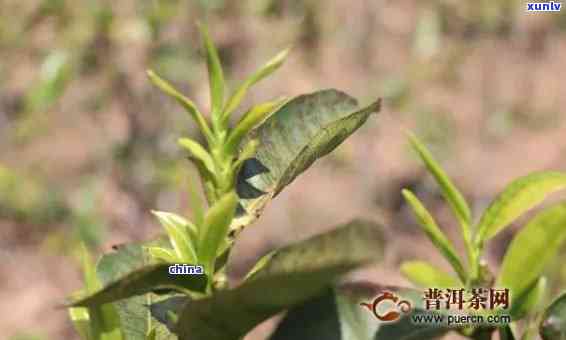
291 139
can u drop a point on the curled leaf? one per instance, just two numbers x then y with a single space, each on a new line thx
292 138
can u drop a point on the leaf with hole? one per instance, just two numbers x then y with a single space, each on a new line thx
291 139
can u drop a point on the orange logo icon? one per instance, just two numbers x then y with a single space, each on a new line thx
401 306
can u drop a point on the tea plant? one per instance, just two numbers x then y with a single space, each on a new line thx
131 295
526 257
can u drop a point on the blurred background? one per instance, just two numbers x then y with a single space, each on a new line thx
87 146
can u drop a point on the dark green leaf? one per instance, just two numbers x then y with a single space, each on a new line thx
133 312
553 326
505 333
405 329
294 275
316 319
303 130
141 281
162 310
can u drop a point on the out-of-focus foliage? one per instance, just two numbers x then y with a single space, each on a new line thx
466 76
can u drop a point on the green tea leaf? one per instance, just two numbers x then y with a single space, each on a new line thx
133 313
196 203
505 333
426 275
553 325
517 198
141 281
199 153
152 335
291 139
189 106
267 69
81 321
215 73
449 191
182 235
162 254
531 250
98 322
434 233
317 318
250 120
294 275
215 229
529 301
